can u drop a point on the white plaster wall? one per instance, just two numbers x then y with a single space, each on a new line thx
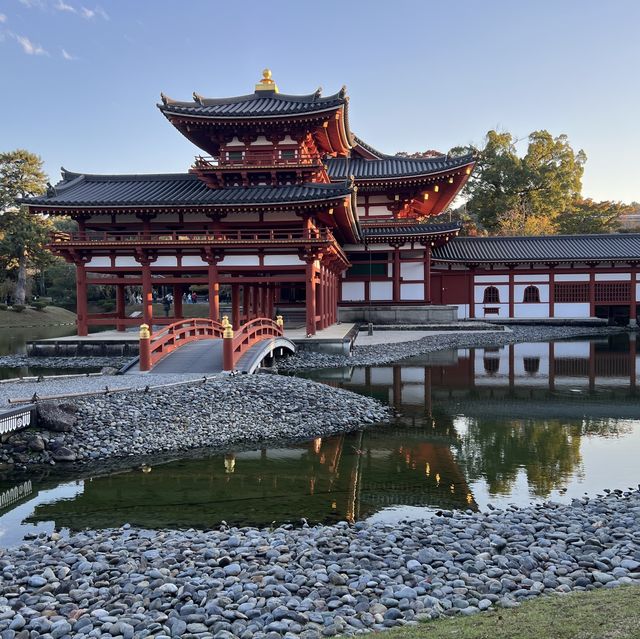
352 291
127 261
572 309
412 270
463 311
288 140
260 140
413 374
193 260
99 261
638 292
282 260
519 291
235 142
378 199
166 260
412 292
358 376
572 277
378 210
381 291
490 279
240 260
503 290
613 277
531 311
531 278
382 375
126 218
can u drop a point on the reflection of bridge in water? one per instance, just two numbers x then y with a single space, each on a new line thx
445 440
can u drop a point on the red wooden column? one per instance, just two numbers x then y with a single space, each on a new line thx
235 306
552 291
81 298
396 274
310 302
177 302
471 291
320 291
592 291
120 307
633 307
427 274
511 293
147 294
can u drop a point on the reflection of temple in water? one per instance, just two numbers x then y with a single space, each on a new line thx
465 416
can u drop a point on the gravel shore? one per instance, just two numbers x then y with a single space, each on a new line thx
392 352
313 582
21 361
222 412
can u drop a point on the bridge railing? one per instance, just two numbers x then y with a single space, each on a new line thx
154 347
235 345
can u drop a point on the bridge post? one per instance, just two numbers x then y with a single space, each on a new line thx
145 348
227 348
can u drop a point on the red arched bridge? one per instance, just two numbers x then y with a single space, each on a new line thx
200 345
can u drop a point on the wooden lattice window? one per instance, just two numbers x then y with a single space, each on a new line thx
531 295
571 292
613 291
491 295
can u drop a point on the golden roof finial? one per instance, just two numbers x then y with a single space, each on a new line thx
267 84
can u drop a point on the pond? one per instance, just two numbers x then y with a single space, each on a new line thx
517 424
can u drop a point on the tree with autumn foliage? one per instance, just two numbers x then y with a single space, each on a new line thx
22 236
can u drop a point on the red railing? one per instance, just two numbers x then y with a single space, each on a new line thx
256 157
205 237
154 347
256 330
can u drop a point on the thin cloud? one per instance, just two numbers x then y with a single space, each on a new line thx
89 14
62 6
30 48
3 18
67 56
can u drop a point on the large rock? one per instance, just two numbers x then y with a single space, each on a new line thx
64 454
60 418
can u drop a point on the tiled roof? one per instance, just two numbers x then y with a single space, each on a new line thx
557 248
392 166
177 189
407 230
370 149
254 105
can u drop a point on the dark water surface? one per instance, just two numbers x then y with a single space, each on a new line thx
516 424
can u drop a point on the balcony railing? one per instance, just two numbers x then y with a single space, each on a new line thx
257 157
205 237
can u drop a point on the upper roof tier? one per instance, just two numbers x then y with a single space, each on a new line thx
212 122
80 191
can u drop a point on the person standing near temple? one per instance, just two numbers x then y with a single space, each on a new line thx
166 303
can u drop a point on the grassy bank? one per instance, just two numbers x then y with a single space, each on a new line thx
611 613
49 316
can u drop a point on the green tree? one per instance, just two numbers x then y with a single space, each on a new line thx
587 216
22 236
541 185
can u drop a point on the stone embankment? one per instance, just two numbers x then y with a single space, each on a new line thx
223 412
24 361
315 582
386 353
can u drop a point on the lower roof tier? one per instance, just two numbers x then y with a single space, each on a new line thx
546 249
176 189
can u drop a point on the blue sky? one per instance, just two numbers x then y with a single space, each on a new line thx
79 81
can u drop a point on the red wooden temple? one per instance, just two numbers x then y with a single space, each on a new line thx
285 206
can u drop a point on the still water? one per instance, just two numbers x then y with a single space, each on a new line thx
516 424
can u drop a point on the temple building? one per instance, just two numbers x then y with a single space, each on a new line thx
285 208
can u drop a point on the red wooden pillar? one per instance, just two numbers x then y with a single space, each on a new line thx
214 291
147 294
511 293
633 305
235 306
310 300
81 299
471 292
120 307
427 274
396 274
552 292
592 292
320 291
177 302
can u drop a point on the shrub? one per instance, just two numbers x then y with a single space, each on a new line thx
3 307
18 308
39 305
